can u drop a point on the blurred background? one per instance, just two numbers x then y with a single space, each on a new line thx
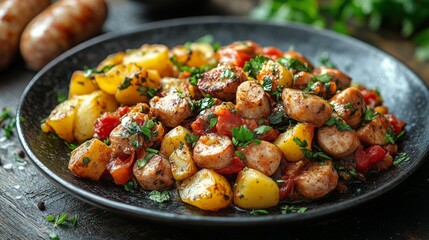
399 27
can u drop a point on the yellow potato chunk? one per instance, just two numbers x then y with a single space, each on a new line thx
182 163
206 190
276 73
110 81
172 140
80 84
151 57
90 108
61 120
111 60
289 142
90 159
194 55
139 87
254 189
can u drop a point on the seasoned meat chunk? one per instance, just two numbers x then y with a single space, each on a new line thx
222 82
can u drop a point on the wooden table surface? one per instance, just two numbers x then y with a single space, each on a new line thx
402 213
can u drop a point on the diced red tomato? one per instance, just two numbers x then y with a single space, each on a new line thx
108 121
199 126
121 169
396 123
367 158
105 124
272 52
236 166
226 121
372 99
238 53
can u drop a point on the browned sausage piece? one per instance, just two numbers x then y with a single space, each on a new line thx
60 27
302 79
337 143
155 174
298 56
222 82
14 16
341 79
350 106
317 180
213 151
171 109
252 101
264 157
374 133
305 107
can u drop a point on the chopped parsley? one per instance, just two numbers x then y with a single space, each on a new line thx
400 158
90 71
227 74
71 146
370 115
61 219
191 139
286 209
258 211
254 65
147 91
243 136
158 196
7 122
212 118
86 160
125 84
262 129
202 104
61 98
240 155
318 155
150 153
130 186
341 124
293 64
267 85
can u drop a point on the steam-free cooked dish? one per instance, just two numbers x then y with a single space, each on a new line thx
239 125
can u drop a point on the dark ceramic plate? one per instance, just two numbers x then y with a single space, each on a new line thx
404 93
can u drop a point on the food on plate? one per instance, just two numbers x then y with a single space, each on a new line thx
59 27
14 16
240 125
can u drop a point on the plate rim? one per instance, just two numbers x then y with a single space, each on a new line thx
166 217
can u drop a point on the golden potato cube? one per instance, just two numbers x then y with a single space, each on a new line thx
206 190
151 57
61 120
172 140
138 87
80 84
91 107
90 159
277 73
254 189
182 163
111 60
289 141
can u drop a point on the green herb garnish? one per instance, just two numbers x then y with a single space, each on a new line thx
254 65
286 209
158 196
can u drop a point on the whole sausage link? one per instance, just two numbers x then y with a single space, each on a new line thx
60 27
14 16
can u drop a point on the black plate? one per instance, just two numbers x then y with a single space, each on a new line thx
404 93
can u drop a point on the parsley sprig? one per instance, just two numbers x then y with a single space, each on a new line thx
61 219
202 104
7 122
150 153
341 124
90 71
370 114
293 64
286 209
254 65
318 154
243 136
158 196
